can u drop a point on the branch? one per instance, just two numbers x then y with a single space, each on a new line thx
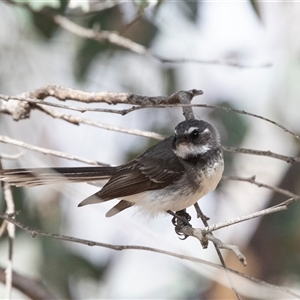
10 227
8 140
32 288
11 156
203 236
260 184
116 39
227 109
288 159
280 207
20 109
35 233
77 120
101 35
65 93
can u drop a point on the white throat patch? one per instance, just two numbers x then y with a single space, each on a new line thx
186 150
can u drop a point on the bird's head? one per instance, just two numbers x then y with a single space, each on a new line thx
193 138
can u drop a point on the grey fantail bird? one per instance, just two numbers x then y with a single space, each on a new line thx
170 176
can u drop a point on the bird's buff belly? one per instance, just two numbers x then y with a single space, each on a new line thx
181 197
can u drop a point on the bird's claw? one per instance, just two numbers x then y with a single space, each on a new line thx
180 219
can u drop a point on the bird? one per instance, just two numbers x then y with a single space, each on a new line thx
168 177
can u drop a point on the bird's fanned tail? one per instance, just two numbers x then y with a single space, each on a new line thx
43 176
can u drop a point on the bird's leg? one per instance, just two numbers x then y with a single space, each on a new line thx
180 219
200 214
181 215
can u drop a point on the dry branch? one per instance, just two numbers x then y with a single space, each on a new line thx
20 109
116 38
32 288
8 140
260 184
264 212
204 236
78 120
10 228
288 159
35 233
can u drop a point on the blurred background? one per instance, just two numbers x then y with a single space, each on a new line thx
255 47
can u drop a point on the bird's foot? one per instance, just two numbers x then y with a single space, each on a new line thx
180 219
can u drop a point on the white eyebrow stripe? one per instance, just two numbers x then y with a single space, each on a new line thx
191 130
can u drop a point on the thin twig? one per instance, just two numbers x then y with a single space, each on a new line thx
101 35
11 156
64 93
280 207
260 184
35 233
3 228
203 236
204 220
235 249
8 140
77 120
213 62
10 227
288 159
227 109
116 39
32 288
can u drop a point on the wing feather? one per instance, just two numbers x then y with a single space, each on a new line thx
154 169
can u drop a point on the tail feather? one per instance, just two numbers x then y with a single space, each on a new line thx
118 208
42 176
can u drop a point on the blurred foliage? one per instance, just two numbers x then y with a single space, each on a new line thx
277 237
43 23
39 5
42 17
234 129
234 124
142 31
255 6
170 82
190 8
58 265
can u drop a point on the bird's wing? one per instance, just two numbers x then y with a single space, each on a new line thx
135 178
154 169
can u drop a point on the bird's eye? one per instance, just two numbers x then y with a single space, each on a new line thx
195 134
